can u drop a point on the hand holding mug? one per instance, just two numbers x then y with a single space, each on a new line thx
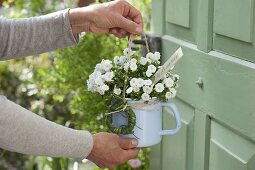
110 150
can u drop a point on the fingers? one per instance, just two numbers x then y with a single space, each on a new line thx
129 26
120 33
131 153
127 143
133 14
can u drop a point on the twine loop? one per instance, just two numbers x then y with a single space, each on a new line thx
137 106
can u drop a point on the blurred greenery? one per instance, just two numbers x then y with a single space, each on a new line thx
53 85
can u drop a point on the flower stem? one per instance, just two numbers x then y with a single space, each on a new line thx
124 89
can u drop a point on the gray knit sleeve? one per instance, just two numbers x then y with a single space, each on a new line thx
25 132
29 36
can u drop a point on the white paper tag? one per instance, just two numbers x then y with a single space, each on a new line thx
169 64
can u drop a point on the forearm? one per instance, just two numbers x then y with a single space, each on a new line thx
23 37
24 132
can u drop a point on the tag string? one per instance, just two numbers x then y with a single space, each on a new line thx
146 43
130 40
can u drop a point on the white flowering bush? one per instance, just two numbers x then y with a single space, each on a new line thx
130 76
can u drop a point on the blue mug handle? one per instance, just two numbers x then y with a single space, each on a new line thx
176 116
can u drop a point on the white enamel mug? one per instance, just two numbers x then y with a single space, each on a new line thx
148 129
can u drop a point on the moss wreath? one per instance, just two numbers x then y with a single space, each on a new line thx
120 107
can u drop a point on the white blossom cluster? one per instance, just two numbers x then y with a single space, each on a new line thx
98 79
104 78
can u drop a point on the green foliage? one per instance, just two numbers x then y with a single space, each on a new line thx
66 82
53 85
67 79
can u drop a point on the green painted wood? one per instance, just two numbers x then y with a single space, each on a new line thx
251 163
234 18
157 18
228 150
173 8
228 83
180 15
177 149
239 49
201 140
234 28
155 157
218 119
205 25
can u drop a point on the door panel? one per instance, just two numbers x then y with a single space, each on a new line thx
226 97
233 28
217 85
201 140
234 18
228 85
181 19
181 144
173 8
228 150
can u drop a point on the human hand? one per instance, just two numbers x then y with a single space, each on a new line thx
117 17
110 150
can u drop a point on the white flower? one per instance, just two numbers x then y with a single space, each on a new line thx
117 91
152 68
91 86
106 65
143 61
147 89
146 97
129 90
149 55
156 56
176 77
126 66
168 95
98 67
100 91
116 60
139 82
171 94
122 60
136 89
99 80
136 82
147 82
105 87
127 52
159 87
173 91
133 60
133 82
168 82
148 73
133 66
108 76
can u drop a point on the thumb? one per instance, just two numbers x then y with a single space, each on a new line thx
130 26
127 143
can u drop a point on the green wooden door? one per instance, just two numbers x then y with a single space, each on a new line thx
216 96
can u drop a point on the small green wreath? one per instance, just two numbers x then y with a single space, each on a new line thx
122 107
